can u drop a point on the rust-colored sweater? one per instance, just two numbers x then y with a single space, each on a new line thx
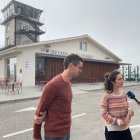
56 101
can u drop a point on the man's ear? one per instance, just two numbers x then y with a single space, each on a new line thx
70 65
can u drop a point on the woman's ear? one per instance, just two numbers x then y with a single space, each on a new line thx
113 83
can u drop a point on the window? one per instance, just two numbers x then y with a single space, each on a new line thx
83 46
23 27
5 15
12 9
35 14
18 26
19 10
8 28
18 40
7 41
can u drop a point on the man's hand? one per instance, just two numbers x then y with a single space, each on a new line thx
39 120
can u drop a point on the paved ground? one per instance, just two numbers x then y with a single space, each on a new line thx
87 124
35 92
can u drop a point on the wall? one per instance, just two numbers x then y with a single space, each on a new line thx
19 67
10 33
2 70
74 47
28 67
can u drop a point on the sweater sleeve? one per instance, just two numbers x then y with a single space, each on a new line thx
48 94
104 110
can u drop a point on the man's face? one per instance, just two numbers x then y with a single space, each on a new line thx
77 69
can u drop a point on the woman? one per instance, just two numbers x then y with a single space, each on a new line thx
115 109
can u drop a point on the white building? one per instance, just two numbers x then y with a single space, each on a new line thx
41 61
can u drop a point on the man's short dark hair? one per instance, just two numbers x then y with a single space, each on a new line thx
72 58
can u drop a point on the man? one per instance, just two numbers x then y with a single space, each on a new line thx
56 102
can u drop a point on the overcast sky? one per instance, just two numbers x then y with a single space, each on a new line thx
112 23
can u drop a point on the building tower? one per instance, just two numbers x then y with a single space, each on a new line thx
22 24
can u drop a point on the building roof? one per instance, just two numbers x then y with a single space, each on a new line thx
25 9
14 1
63 40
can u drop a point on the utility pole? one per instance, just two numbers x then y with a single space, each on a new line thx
129 73
138 73
123 71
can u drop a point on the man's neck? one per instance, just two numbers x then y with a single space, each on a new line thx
66 76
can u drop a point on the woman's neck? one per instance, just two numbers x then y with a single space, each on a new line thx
116 91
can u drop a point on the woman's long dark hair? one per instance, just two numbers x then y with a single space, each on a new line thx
109 78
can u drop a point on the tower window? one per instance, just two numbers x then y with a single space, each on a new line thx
18 41
19 10
7 41
18 26
8 28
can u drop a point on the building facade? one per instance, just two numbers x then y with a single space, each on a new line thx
31 63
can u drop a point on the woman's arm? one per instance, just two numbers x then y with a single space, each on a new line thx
129 115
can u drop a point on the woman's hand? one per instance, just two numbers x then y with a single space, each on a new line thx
131 112
127 119
129 115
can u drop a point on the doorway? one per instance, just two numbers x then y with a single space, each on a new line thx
11 68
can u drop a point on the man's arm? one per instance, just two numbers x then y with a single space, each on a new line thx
47 97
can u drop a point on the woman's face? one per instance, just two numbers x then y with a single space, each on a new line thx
119 81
